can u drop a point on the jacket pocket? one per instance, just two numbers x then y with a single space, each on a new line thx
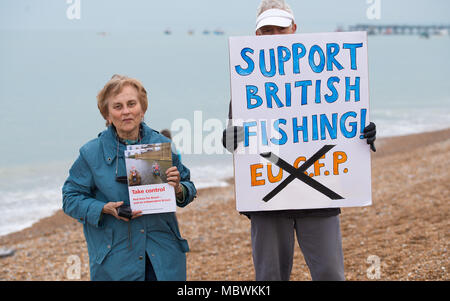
105 246
181 241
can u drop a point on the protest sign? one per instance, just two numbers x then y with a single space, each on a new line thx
303 100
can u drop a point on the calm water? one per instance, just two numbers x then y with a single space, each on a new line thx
49 82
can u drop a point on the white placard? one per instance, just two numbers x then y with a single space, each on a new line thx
294 94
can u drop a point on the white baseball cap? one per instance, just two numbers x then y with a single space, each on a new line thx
276 17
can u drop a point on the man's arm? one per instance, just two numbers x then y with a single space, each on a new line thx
232 135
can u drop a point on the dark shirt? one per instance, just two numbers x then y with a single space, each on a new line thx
294 213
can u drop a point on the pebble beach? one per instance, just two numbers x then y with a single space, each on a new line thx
405 232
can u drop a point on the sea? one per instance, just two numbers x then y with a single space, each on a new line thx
49 81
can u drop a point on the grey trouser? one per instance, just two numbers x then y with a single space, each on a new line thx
273 246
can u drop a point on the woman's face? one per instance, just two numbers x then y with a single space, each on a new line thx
125 112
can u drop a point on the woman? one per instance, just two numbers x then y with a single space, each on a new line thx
145 247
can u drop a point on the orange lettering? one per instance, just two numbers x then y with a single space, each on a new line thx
318 165
254 175
273 179
297 162
338 158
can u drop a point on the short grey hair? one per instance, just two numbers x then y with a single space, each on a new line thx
269 4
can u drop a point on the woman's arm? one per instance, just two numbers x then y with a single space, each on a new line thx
78 198
189 190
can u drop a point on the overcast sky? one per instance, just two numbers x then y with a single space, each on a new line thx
229 15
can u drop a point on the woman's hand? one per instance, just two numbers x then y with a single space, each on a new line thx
173 179
136 214
111 209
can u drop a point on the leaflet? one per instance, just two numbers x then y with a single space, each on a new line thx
148 189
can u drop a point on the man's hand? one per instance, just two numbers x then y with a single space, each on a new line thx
232 135
370 134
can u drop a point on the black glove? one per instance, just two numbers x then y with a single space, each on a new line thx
232 135
370 132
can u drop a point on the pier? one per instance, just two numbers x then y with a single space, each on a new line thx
420 30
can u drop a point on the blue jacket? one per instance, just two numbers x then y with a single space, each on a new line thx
117 248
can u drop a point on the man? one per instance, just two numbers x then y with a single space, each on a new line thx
272 232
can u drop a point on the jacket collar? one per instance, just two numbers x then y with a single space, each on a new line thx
108 140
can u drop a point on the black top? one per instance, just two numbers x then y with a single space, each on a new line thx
295 213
